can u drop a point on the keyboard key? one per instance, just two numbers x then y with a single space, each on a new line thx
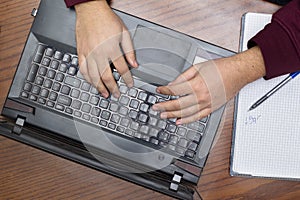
76 104
50 104
48 83
59 77
53 96
56 86
104 103
96 111
143 118
144 107
95 120
123 89
32 73
152 121
125 122
38 58
105 115
171 128
54 64
33 98
134 125
44 93
86 117
163 136
84 96
112 126
72 81
124 100
39 80
152 99
183 143
72 70
132 92
134 104
49 52
173 139
85 86
24 94
58 55
94 100
75 93
66 58
181 131
103 123
153 132
123 110
162 124
77 113
40 49
59 107
86 108
193 136
69 111
133 114
36 90
46 61
51 74
74 61
41 101
27 87
114 107
142 96
63 67
42 71
115 118
190 154
196 126
64 100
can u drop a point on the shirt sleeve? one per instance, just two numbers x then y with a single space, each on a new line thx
279 41
70 3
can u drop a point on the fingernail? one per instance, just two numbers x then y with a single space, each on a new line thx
157 90
163 115
135 64
155 107
171 83
178 122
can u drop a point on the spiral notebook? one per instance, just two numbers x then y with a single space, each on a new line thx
266 140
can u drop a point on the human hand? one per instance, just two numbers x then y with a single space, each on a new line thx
205 87
101 37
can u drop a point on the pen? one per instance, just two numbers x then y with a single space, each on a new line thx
272 91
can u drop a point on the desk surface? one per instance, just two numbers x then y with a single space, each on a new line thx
28 173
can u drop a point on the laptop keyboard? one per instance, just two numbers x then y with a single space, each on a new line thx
54 81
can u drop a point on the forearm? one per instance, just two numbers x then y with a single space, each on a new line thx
241 69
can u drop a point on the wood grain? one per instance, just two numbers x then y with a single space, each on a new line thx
28 173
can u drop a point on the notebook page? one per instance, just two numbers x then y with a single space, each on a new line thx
267 139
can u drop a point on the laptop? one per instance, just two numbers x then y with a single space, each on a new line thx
51 107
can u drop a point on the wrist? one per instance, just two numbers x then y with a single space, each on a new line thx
91 5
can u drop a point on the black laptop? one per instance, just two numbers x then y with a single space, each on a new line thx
50 106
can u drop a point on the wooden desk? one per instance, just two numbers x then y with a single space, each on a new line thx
28 173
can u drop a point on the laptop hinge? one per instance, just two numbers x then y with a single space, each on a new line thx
34 12
17 128
174 185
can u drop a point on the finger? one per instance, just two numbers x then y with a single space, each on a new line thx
197 116
101 65
177 104
83 67
181 113
109 81
176 89
123 70
93 72
185 76
127 47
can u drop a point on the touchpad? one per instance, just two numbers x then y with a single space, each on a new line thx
159 54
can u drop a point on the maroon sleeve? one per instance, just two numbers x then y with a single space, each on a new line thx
279 41
70 3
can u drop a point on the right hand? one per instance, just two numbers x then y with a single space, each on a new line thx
101 37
